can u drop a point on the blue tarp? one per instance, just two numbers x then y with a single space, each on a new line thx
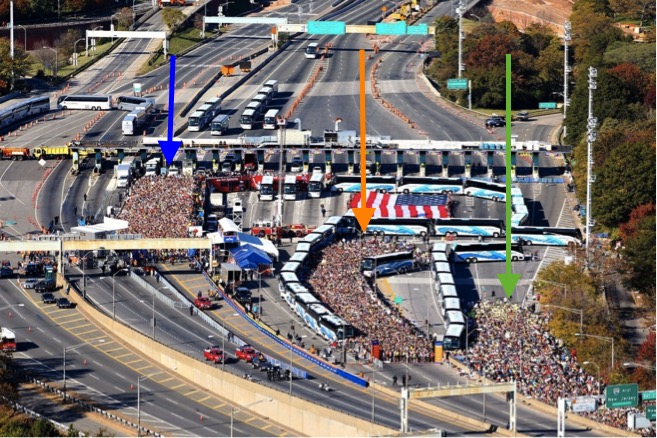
249 257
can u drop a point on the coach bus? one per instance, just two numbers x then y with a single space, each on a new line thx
248 119
546 236
129 103
450 304
316 185
16 111
519 216
311 243
198 120
299 257
469 227
291 267
219 124
312 50
454 338
326 233
486 252
314 314
290 188
417 184
399 262
333 328
417 227
351 184
301 303
214 106
270 119
485 189
95 102
446 291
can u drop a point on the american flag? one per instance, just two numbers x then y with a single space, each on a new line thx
404 206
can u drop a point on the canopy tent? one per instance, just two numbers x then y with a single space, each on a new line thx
249 257
247 239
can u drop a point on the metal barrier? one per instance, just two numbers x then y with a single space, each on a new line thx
146 285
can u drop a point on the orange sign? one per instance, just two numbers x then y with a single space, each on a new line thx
273 30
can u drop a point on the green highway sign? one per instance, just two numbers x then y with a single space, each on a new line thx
648 395
398 28
547 105
622 396
650 412
327 27
418 29
457 84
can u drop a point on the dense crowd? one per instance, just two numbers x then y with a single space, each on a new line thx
515 345
159 207
336 280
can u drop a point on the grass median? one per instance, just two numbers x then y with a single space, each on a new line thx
179 42
63 70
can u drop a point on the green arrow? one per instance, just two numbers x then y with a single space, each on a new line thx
508 279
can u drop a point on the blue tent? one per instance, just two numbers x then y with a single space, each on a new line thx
249 257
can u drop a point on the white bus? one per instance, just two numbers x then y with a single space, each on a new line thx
248 119
215 105
290 188
197 121
16 110
262 99
270 119
269 92
312 51
266 188
273 85
129 103
219 124
316 185
134 120
95 102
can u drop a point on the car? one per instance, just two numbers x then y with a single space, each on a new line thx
45 286
523 116
29 283
296 165
228 166
246 353
203 303
260 363
495 121
214 354
48 298
64 303
242 295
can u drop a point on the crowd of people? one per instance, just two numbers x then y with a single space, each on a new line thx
515 345
159 207
335 278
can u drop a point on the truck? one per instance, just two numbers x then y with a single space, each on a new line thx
267 228
153 167
7 340
230 273
46 152
214 353
123 175
203 303
16 154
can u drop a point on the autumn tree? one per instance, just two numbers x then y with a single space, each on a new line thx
646 356
64 44
638 235
172 18
124 19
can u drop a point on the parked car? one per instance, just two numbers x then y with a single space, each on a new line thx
45 286
523 116
29 283
242 295
64 303
214 354
48 298
246 353
495 121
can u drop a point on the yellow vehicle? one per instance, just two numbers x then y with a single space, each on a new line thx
46 152
405 11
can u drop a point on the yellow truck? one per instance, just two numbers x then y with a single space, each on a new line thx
59 152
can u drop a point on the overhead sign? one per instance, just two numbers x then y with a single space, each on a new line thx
547 105
418 29
650 412
622 396
647 395
327 27
583 404
398 28
457 84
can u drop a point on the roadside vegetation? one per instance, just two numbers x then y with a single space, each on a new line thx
623 195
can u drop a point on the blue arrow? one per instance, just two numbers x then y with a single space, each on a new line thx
168 146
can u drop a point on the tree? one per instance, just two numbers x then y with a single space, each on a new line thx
592 32
125 18
44 55
12 69
646 356
172 18
64 44
638 235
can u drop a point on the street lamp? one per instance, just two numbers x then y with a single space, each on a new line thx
602 338
638 365
571 310
113 296
75 52
71 349
54 68
234 411
84 283
588 362
24 30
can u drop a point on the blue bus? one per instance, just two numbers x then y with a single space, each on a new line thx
485 189
301 303
469 227
485 252
382 226
386 264
351 184
313 316
547 236
417 184
333 328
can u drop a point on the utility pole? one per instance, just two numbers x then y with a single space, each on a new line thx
590 138
566 69
459 11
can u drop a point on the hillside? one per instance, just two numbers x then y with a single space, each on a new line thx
525 12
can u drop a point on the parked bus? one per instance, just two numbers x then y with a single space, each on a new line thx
310 243
326 232
301 303
450 305
134 120
485 252
266 188
312 51
299 257
273 85
291 290
519 216
15 111
262 99
399 262
290 188
454 317
292 267
198 120
129 103
270 119
446 291
454 338
269 92
219 124
416 227
351 184
214 105
316 185
95 102
333 328
485 189
469 227
314 314
416 184
546 236
248 119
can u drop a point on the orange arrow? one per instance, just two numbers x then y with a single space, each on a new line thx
363 214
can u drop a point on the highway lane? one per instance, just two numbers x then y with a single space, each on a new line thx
92 372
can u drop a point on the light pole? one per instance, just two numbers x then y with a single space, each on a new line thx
638 365
602 338
588 362
234 411
112 25
113 295
580 312
566 69
75 52
139 380
55 67
64 364
84 282
25 31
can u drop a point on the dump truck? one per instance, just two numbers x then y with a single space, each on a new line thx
16 154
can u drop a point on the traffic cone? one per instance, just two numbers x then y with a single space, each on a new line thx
201 417
29 329
84 362
10 315
132 387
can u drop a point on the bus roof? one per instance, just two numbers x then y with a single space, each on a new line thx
317 177
290 179
307 298
313 45
204 107
454 330
271 82
334 319
267 179
439 247
303 246
298 288
249 112
213 101
299 257
221 118
323 228
272 112
452 303
289 277
290 267
333 220
198 114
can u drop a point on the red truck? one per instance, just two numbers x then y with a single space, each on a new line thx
246 353
203 303
16 154
214 354
267 228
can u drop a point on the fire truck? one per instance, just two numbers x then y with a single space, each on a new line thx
7 340
267 228
231 184
16 154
